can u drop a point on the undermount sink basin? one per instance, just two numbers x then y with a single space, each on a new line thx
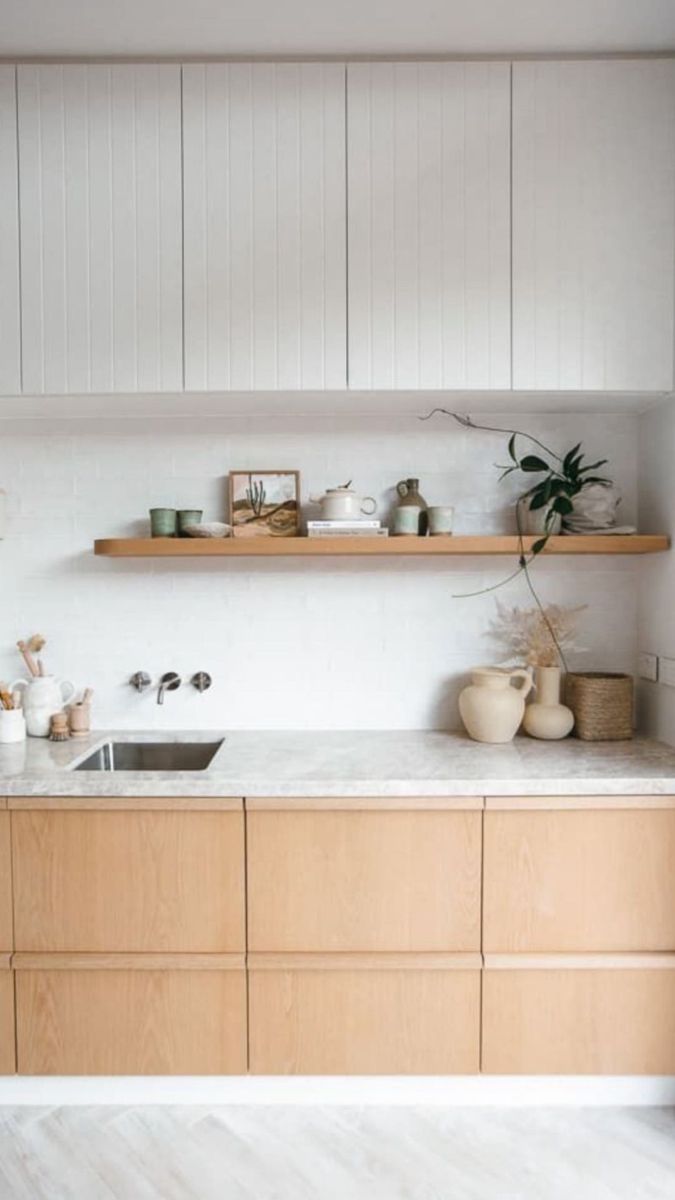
150 756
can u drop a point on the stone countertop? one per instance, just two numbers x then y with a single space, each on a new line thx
345 764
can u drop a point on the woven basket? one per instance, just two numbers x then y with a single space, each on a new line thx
602 704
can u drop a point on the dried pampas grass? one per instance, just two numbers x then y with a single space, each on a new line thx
526 632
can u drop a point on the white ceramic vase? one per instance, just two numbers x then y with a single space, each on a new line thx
545 717
42 697
491 709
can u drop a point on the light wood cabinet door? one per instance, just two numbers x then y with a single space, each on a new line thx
101 227
579 1022
593 225
6 933
364 881
131 1021
7 1041
429 225
579 881
10 331
326 1019
129 881
265 226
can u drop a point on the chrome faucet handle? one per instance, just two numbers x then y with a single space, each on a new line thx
140 680
169 682
201 680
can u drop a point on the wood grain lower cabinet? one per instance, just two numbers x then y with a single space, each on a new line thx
570 1021
129 881
6 933
324 881
587 881
7 1041
130 1019
328 1017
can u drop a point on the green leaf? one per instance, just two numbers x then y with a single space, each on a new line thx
570 456
531 463
512 448
594 466
595 479
540 500
538 546
563 506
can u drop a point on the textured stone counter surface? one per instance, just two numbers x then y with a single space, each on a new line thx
350 764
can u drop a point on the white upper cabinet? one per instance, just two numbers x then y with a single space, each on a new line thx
100 209
10 343
265 226
593 225
429 225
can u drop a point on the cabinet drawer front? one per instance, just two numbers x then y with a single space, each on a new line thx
131 1022
7 1062
130 881
579 881
364 881
579 1022
369 1022
6 937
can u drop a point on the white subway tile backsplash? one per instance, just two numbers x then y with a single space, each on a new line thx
290 644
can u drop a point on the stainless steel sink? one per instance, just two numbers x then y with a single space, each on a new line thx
150 756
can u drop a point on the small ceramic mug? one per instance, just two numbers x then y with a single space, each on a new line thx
188 516
12 726
407 521
163 522
440 519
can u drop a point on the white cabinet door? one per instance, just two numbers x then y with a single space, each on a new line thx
100 207
10 344
265 226
429 225
593 225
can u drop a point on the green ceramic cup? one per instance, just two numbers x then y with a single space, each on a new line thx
188 516
163 522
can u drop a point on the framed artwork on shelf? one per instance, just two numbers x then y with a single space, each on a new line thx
265 503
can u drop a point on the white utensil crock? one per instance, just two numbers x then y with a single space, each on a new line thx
41 698
12 726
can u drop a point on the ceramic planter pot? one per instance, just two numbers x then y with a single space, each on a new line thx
533 520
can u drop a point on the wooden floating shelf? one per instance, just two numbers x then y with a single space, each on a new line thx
394 547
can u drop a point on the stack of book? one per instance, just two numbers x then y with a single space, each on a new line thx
367 528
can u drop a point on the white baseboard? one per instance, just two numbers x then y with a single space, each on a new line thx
453 1091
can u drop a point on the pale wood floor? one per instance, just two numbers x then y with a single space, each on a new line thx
275 1153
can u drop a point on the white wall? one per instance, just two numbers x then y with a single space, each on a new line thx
290 644
657 580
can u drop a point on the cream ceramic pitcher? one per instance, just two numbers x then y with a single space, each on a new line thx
41 698
490 708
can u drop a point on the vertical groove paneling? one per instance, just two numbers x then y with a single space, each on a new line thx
10 333
429 225
101 260
264 151
593 228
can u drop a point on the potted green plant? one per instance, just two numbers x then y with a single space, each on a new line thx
552 496
563 478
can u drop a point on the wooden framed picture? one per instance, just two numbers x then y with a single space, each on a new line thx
265 503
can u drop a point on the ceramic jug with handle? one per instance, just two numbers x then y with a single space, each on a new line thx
491 709
41 698
344 504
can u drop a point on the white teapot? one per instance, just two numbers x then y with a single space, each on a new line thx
343 504
42 696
